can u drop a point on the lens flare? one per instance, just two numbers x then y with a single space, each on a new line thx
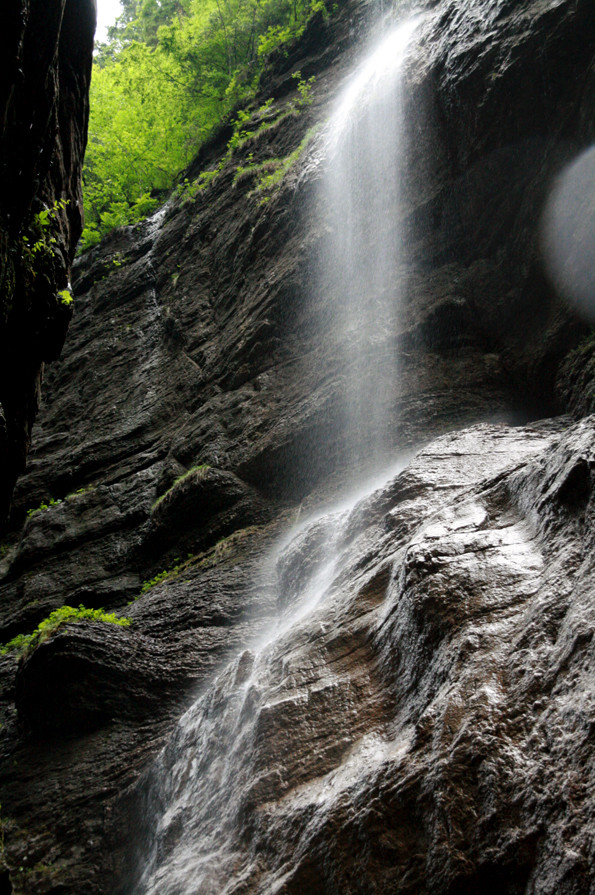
568 234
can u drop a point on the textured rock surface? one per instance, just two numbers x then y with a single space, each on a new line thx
44 81
446 677
203 338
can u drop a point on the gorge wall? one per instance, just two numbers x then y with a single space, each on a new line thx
46 52
430 727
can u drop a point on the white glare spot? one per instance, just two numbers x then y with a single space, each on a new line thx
568 234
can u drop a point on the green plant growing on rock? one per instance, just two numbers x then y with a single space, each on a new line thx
168 574
114 263
270 173
79 491
43 506
118 260
193 471
225 547
164 575
66 297
304 89
188 190
37 241
24 644
279 37
211 557
240 134
265 120
55 502
206 177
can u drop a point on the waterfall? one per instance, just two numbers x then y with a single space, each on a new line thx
363 195
201 796
206 784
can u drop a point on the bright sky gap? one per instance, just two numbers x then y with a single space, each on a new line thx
107 13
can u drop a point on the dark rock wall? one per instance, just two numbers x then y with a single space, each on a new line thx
46 52
497 134
201 344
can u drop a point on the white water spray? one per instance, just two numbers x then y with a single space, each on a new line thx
201 799
210 778
363 195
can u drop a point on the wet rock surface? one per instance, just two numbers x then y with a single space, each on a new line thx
445 679
427 729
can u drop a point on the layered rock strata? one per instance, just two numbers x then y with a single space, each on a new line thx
426 728
196 415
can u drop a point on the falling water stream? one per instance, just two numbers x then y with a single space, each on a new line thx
363 194
208 779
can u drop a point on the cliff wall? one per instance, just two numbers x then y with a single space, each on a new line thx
201 368
46 52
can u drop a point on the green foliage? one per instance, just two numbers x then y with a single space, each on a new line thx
193 471
172 71
24 644
278 37
38 240
268 120
91 236
168 574
222 550
65 296
269 174
188 189
43 506
161 576
139 137
55 502
304 89
79 491
118 260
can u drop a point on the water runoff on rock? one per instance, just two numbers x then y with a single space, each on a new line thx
200 798
232 750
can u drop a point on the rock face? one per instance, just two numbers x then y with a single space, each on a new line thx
46 52
426 727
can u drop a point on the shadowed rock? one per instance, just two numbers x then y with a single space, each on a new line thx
427 727
46 52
